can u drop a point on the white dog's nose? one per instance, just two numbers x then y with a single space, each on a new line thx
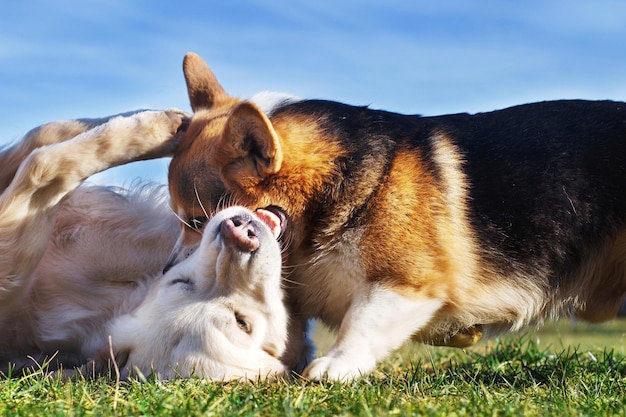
240 232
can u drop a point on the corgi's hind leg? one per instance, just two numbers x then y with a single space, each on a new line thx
600 286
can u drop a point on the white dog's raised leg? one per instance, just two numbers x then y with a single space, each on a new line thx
50 173
378 322
48 134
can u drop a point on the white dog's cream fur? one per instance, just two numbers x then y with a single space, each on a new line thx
80 267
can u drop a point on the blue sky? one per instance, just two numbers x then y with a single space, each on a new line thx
67 59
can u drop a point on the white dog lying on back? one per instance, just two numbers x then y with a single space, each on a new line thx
79 267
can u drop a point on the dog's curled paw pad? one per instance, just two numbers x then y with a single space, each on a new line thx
179 119
160 131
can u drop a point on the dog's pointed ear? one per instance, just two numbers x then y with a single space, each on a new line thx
250 147
202 86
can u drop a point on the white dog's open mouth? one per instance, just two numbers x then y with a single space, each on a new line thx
274 218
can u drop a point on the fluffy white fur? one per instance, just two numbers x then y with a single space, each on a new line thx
80 280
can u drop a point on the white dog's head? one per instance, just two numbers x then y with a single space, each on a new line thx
219 314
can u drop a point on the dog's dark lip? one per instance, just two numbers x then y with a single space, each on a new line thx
280 213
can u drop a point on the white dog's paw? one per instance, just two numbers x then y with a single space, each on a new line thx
334 369
160 131
169 121
178 119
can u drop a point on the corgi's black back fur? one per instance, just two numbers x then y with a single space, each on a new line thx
546 180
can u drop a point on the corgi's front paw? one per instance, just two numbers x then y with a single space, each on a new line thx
336 369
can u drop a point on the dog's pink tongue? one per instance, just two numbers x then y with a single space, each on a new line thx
270 219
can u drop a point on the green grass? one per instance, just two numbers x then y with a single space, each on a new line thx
561 370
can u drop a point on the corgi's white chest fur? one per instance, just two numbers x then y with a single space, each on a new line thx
329 283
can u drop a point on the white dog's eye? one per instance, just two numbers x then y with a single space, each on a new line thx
197 222
242 323
181 280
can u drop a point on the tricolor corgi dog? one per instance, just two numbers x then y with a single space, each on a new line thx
438 229
80 266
